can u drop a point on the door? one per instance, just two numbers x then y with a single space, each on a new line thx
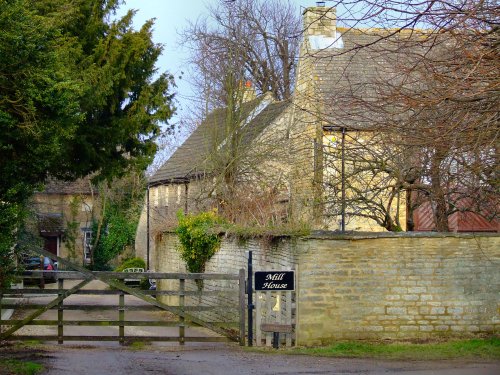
51 244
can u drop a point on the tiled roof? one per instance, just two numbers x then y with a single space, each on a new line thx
80 186
50 224
190 159
346 77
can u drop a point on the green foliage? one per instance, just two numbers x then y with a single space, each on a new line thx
123 200
20 367
79 94
131 263
72 228
198 241
475 348
9 217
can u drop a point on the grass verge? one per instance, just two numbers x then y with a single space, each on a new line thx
18 367
485 349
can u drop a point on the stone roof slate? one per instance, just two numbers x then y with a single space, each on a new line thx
50 224
190 159
346 78
77 187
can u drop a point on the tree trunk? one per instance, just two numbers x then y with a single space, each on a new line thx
438 197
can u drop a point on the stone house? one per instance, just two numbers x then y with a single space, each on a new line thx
335 132
188 180
322 122
332 73
64 212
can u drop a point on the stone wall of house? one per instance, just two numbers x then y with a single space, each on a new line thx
76 209
379 285
164 203
306 134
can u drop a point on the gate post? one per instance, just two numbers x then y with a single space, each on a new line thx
60 332
242 306
250 299
121 318
182 288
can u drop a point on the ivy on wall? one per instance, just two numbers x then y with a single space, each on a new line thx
119 233
197 238
115 229
72 227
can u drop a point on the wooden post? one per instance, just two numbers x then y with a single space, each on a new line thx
42 280
258 318
121 318
288 319
297 304
60 332
182 288
269 312
279 316
242 305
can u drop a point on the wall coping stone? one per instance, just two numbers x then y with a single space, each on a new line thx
335 235
352 235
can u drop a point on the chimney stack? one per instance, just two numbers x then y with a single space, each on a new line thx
320 20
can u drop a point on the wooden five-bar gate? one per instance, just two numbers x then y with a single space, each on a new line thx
187 315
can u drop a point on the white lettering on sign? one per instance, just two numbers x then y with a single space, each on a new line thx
275 276
271 285
269 280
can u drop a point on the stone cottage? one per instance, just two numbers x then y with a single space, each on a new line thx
189 180
64 213
327 118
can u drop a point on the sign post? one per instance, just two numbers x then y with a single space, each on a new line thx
266 281
250 299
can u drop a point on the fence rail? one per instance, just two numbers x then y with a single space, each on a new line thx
19 299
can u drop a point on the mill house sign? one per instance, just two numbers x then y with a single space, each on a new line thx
274 280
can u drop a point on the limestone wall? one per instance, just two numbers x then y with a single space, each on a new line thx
231 257
398 287
381 285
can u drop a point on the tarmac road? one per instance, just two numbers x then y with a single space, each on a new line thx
230 359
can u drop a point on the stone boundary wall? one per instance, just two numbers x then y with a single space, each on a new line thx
230 258
406 286
377 285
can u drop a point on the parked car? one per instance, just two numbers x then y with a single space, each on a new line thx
32 263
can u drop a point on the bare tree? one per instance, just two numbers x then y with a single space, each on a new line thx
259 36
437 106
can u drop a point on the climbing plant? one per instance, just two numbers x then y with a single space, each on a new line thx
115 229
198 239
72 227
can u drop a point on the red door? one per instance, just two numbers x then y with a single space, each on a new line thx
51 244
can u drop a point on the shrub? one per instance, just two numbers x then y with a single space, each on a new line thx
198 240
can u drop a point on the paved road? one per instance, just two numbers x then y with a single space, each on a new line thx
230 359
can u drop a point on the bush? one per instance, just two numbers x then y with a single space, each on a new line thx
198 240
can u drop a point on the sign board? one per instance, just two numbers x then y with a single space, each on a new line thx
274 280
